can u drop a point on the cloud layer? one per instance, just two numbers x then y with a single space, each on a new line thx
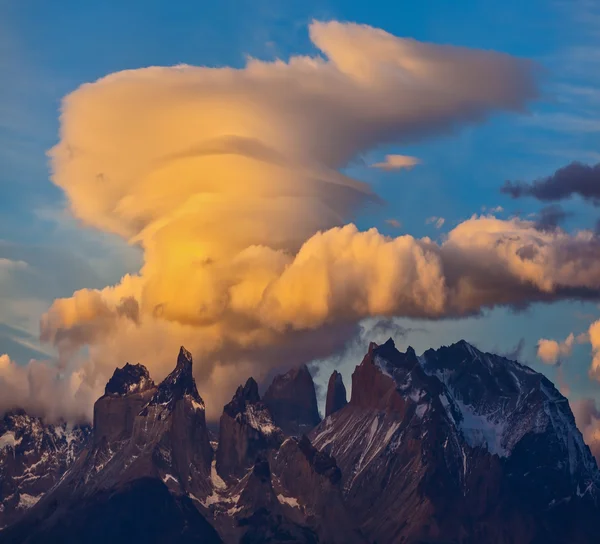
229 180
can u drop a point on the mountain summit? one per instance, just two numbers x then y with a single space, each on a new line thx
460 442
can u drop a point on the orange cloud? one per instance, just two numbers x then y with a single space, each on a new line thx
397 162
229 180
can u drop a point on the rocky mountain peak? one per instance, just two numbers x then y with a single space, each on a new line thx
179 383
244 395
336 394
184 358
246 431
129 379
292 401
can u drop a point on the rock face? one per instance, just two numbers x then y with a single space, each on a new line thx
292 401
336 394
310 481
126 393
446 447
33 457
246 430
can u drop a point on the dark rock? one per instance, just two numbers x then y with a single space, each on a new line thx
292 401
312 478
129 379
336 394
178 384
139 511
246 430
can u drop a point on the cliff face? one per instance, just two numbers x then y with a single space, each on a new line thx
292 401
126 393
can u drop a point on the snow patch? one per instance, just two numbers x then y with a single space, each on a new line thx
27 501
290 501
260 420
8 439
197 405
421 410
482 431
168 477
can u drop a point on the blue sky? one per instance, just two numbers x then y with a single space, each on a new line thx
48 49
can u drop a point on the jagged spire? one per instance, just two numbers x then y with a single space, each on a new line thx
336 394
178 383
246 394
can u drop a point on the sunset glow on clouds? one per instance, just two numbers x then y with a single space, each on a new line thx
230 181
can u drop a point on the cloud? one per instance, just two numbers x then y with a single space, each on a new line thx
229 181
574 179
587 417
438 222
40 389
594 335
551 217
397 162
551 351
394 223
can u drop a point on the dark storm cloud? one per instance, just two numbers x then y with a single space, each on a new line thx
574 179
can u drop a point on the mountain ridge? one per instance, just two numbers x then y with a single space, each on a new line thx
440 447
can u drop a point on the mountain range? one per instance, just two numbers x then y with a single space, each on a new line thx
453 446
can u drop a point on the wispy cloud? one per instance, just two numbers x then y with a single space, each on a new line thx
437 222
394 223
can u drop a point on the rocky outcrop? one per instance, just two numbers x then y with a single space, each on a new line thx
336 394
128 380
33 457
292 401
256 513
246 431
127 392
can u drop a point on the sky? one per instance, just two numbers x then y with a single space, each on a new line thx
59 233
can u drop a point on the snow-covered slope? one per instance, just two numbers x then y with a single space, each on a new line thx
33 457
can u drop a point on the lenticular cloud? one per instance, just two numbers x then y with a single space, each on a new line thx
229 179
